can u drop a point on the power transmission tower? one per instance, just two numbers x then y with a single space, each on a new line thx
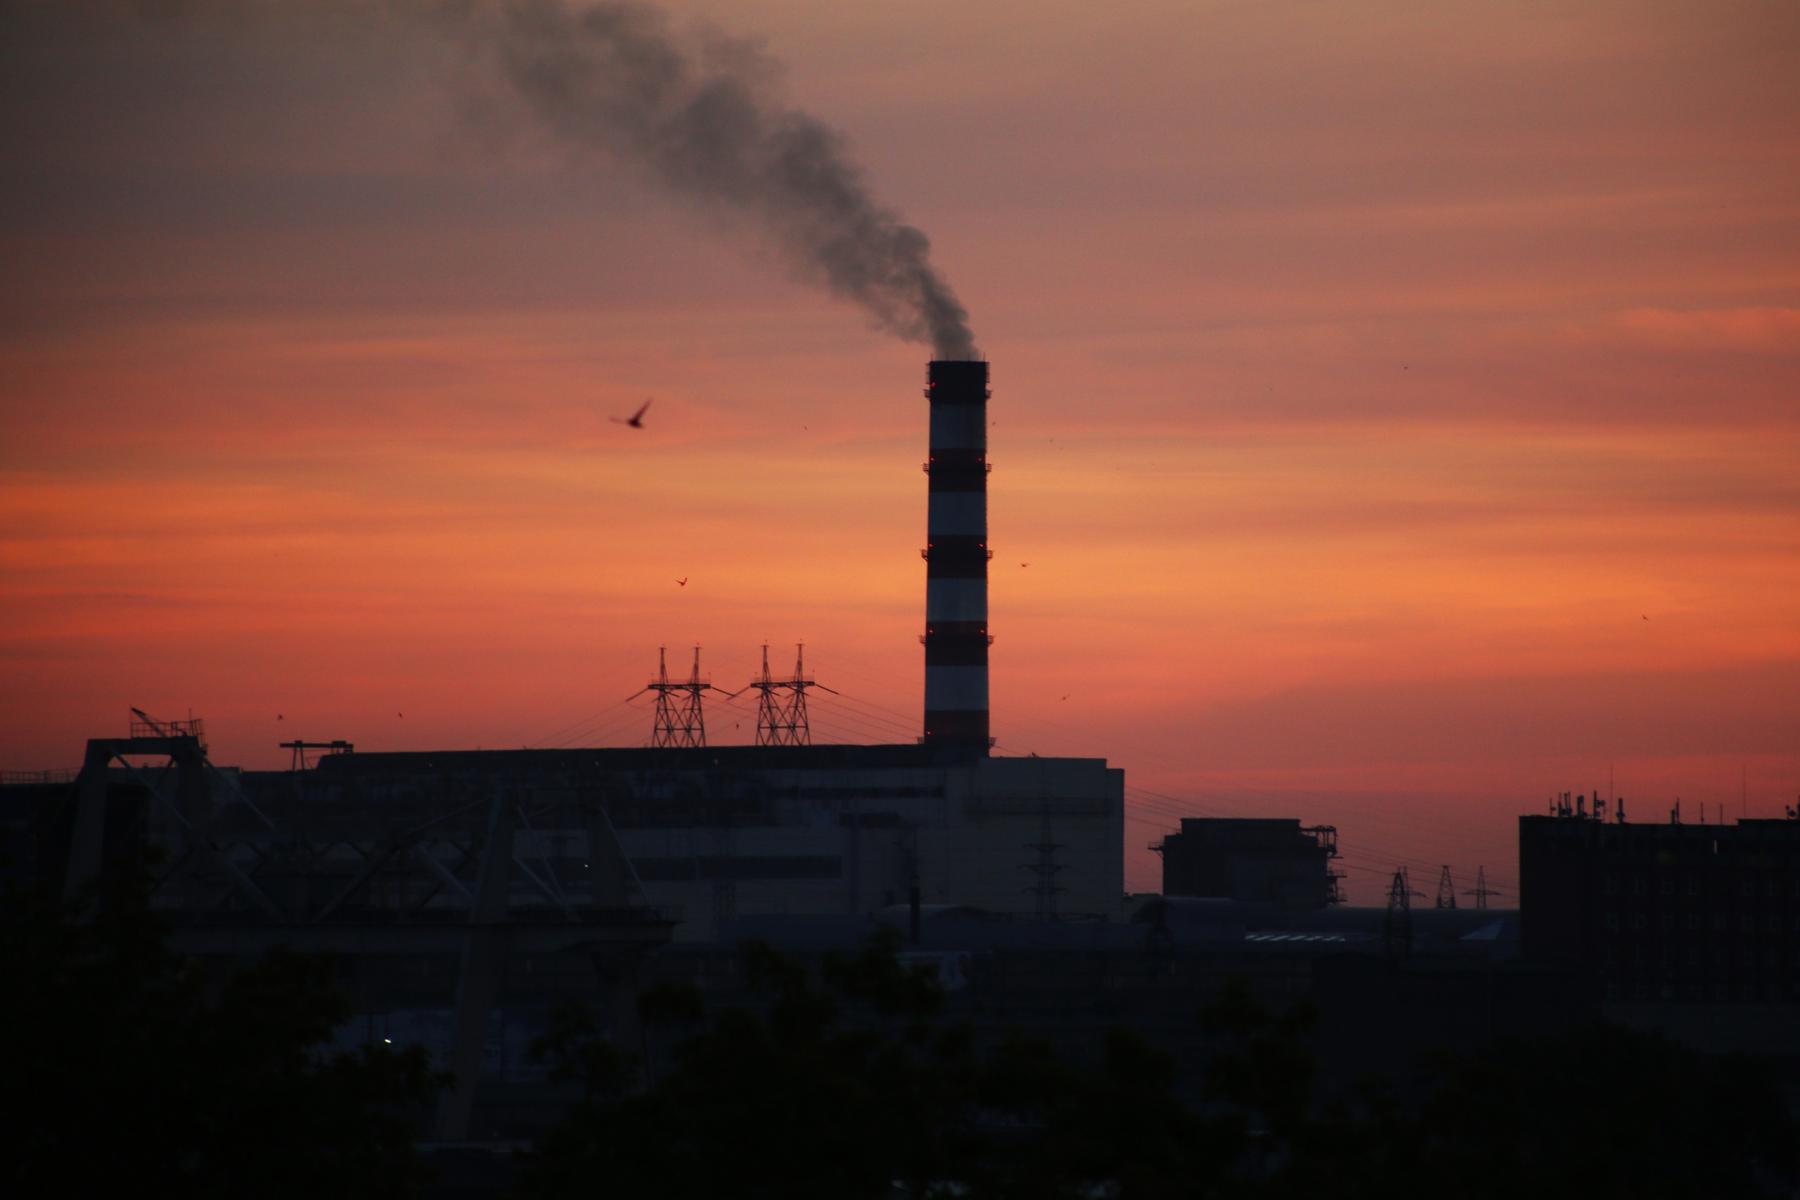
1046 868
781 720
1397 928
678 722
1482 892
1446 896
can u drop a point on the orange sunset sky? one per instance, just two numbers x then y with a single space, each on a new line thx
1397 403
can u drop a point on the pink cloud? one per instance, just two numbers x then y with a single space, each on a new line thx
1767 330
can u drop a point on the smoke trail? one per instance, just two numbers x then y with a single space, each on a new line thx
700 115
706 123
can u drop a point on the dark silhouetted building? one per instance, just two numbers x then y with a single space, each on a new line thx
1667 912
1273 861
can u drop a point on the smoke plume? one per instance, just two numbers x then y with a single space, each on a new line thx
700 115
704 119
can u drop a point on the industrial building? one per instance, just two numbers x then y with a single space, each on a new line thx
707 834
463 892
1264 860
1665 912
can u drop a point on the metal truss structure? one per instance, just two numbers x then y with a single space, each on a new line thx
473 865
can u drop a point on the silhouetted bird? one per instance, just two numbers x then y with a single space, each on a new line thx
636 419
682 582
278 716
1024 564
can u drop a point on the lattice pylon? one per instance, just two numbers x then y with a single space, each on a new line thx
781 718
1397 927
1482 892
680 718
769 708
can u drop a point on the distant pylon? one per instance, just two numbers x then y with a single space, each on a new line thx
1482 892
1397 928
769 723
1046 868
781 719
1446 896
678 722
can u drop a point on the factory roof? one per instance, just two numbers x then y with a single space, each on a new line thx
687 758
629 758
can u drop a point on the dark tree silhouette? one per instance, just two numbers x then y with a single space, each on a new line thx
832 1087
846 1083
126 1071
1606 1111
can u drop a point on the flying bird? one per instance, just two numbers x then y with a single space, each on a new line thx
636 419
682 582
1024 564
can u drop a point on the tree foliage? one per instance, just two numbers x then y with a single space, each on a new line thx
847 1082
129 1070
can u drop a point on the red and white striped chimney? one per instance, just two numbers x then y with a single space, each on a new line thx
956 556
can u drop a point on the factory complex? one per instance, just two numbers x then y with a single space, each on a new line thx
464 894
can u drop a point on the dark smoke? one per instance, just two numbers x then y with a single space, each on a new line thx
706 122
701 115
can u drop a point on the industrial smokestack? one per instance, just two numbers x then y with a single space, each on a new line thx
956 556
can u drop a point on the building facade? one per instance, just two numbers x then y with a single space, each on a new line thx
1667 912
1261 860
